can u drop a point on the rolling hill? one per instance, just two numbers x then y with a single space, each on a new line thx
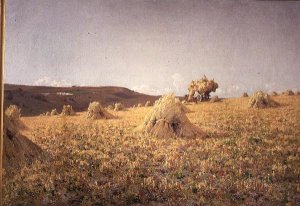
34 100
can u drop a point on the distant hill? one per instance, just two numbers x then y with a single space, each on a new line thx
34 100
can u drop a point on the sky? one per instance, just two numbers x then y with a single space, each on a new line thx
154 46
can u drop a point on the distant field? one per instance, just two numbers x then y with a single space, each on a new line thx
251 157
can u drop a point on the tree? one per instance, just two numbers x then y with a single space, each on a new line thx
202 88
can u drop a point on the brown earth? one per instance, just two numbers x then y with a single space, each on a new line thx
34 100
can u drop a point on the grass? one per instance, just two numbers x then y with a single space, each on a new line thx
251 157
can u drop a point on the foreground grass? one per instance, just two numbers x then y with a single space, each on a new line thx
251 157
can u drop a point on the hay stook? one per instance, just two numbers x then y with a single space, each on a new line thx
262 100
96 111
168 119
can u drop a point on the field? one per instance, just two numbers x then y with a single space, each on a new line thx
250 157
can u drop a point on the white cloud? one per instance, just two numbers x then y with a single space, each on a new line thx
146 89
233 89
178 81
219 91
47 81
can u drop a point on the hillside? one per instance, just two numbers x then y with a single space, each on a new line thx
34 100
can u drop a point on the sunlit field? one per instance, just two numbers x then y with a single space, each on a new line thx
250 157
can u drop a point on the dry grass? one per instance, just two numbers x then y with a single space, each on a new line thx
251 157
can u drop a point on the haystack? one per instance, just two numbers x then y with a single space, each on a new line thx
274 94
96 111
181 106
215 99
288 93
17 148
13 113
147 104
167 119
110 107
119 107
245 94
261 100
67 110
54 112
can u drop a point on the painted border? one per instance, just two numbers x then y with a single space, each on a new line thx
2 91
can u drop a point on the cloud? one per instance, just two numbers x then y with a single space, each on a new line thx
47 81
178 81
146 89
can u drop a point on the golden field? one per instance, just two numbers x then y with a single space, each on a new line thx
250 157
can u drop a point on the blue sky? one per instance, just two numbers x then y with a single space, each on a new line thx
154 47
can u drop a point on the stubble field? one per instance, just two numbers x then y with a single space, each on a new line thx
250 157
